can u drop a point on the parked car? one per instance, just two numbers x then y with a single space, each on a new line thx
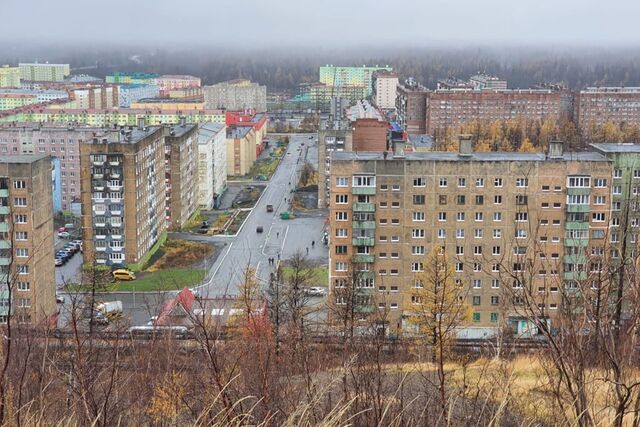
61 230
59 299
316 291
123 274
64 234
269 208
59 262
259 229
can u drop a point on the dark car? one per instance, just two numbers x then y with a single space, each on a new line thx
259 229
269 208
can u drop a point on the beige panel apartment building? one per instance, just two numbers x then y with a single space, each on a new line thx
241 150
181 174
499 218
26 239
123 195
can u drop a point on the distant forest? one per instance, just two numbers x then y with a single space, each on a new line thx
281 69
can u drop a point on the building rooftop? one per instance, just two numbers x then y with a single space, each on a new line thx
617 148
168 101
589 156
136 85
208 131
238 132
178 76
611 89
22 158
180 130
126 135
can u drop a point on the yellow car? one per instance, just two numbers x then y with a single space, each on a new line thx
123 274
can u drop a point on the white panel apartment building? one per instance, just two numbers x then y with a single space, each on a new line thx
212 164
44 72
385 84
131 93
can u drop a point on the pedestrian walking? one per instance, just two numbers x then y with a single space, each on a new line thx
277 234
307 250
313 243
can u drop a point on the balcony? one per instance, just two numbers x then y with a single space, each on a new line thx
116 237
4 192
363 241
578 208
100 224
116 224
100 211
4 210
582 242
364 207
5 261
98 163
101 261
4 227
114 187
575 275
361 259
114 162
363 191
579 191
100 237
115 175
101 248
5 244
116 248
575 259
117 212
366 225
98 187
98 176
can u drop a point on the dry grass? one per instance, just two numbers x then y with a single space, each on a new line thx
180 254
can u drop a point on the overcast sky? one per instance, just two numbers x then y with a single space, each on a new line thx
322 22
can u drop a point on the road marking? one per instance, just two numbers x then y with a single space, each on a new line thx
219 265
284 239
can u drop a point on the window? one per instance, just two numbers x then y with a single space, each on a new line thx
395 205
395 238
442 216
384 187
20 201
418 199
19 184
600 183
497 216
417 233
459 267
479 216
24 303
459 250
342 216
617 189
478 233
477 267
494 317
342 199
341 250
599 200
395 221
341 266
364 181
417 267
20 219
341 232
578 182
419 182
497 182
417 250
522 216
460 233
442 199
342 181
495 284
522 182
460 199
477 250
577 199
476 316
496 250
462 182
598 217
479 200
497 199
521 199
617 173
23 269
497 233
384 205
545 188
495 268
418 216
23 286
475 300
615 222
395 187
521 234
22 252
442 234
443 182
479 182
21 235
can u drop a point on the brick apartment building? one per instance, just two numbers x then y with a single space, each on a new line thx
595 106
181 174
495 215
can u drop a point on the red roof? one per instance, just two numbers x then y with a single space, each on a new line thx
184 300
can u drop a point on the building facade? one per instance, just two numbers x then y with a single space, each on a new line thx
26 239
123 196
241 150
596 106
44 72
510 225
181 174
94 97
169 82
212 164
333 136
128 94
9 76
60 142
412 103
332 75
385 89
485 81
236 95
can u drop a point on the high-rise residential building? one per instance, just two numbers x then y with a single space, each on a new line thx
595 106
236 95
485 81
123 195
9 76
57 141
44 72
127 94
385 85
212 164
412 103
332 75
241 150
181 173
319 96
168 104
9 101
26 239
102 96
500 218
451 108
132 78
332 136
169 82
14 98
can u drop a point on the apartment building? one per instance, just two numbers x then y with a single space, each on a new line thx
236 95
9 76
332 75
384 89
93 96
128 94
44 72
595 106
332 136
451 108
412 103
181 173
123 195
169 82
26 239
58 141
498 217
212 164
241 150
486 81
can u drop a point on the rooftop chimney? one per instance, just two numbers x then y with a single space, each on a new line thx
556 149
183 121
466 145
141 123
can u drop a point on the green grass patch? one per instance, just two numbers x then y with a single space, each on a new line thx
162 281
265 167
145 259
320 275
195 221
